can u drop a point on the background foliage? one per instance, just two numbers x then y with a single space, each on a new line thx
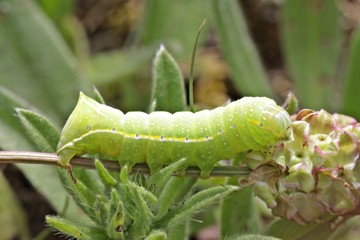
50 50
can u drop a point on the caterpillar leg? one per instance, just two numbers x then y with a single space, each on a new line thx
69 170
205 173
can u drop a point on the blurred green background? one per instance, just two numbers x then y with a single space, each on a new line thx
52 49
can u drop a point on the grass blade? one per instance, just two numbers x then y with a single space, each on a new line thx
239 49
312 36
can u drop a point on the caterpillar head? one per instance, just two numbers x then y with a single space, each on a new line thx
272 125
280 125
268 123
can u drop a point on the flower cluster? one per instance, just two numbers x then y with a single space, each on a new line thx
314 175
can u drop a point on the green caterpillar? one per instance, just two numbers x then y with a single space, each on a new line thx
160 138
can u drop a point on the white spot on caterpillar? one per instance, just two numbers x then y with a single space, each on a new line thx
220 131
113 129
206 138
187 139
162 138
88 128
137 136
233 126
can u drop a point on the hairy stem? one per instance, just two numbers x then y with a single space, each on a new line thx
82 162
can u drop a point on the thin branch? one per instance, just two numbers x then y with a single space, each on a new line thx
88 163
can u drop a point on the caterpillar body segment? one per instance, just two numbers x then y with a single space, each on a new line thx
160 138
160 125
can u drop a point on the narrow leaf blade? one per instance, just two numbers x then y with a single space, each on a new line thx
195 203
12 132
239 213
35 62
41 131
45 136
239 49
168 91
284 229
312 36
351 96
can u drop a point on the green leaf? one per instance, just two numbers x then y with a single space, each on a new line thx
181 231
157 235
84 191
164 68
312 37
97 96
70 228
160 178
57 10
239 49
177 188
45 136
104 174
35 62
142 216
101 207
115 217
164 23
250 237
85 197
106 68
288 230
239 213
195 203
351 96
348 230
89 178
114 200
291 104
12 135
168 91
41 131
116 222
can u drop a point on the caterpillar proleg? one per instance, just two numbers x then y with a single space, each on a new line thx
160 138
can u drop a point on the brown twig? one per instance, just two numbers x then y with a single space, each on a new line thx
88 163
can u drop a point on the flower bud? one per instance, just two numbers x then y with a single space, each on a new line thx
315 174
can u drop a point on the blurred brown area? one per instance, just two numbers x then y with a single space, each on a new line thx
108 23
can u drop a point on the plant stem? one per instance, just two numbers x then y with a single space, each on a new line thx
111 165
191 75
